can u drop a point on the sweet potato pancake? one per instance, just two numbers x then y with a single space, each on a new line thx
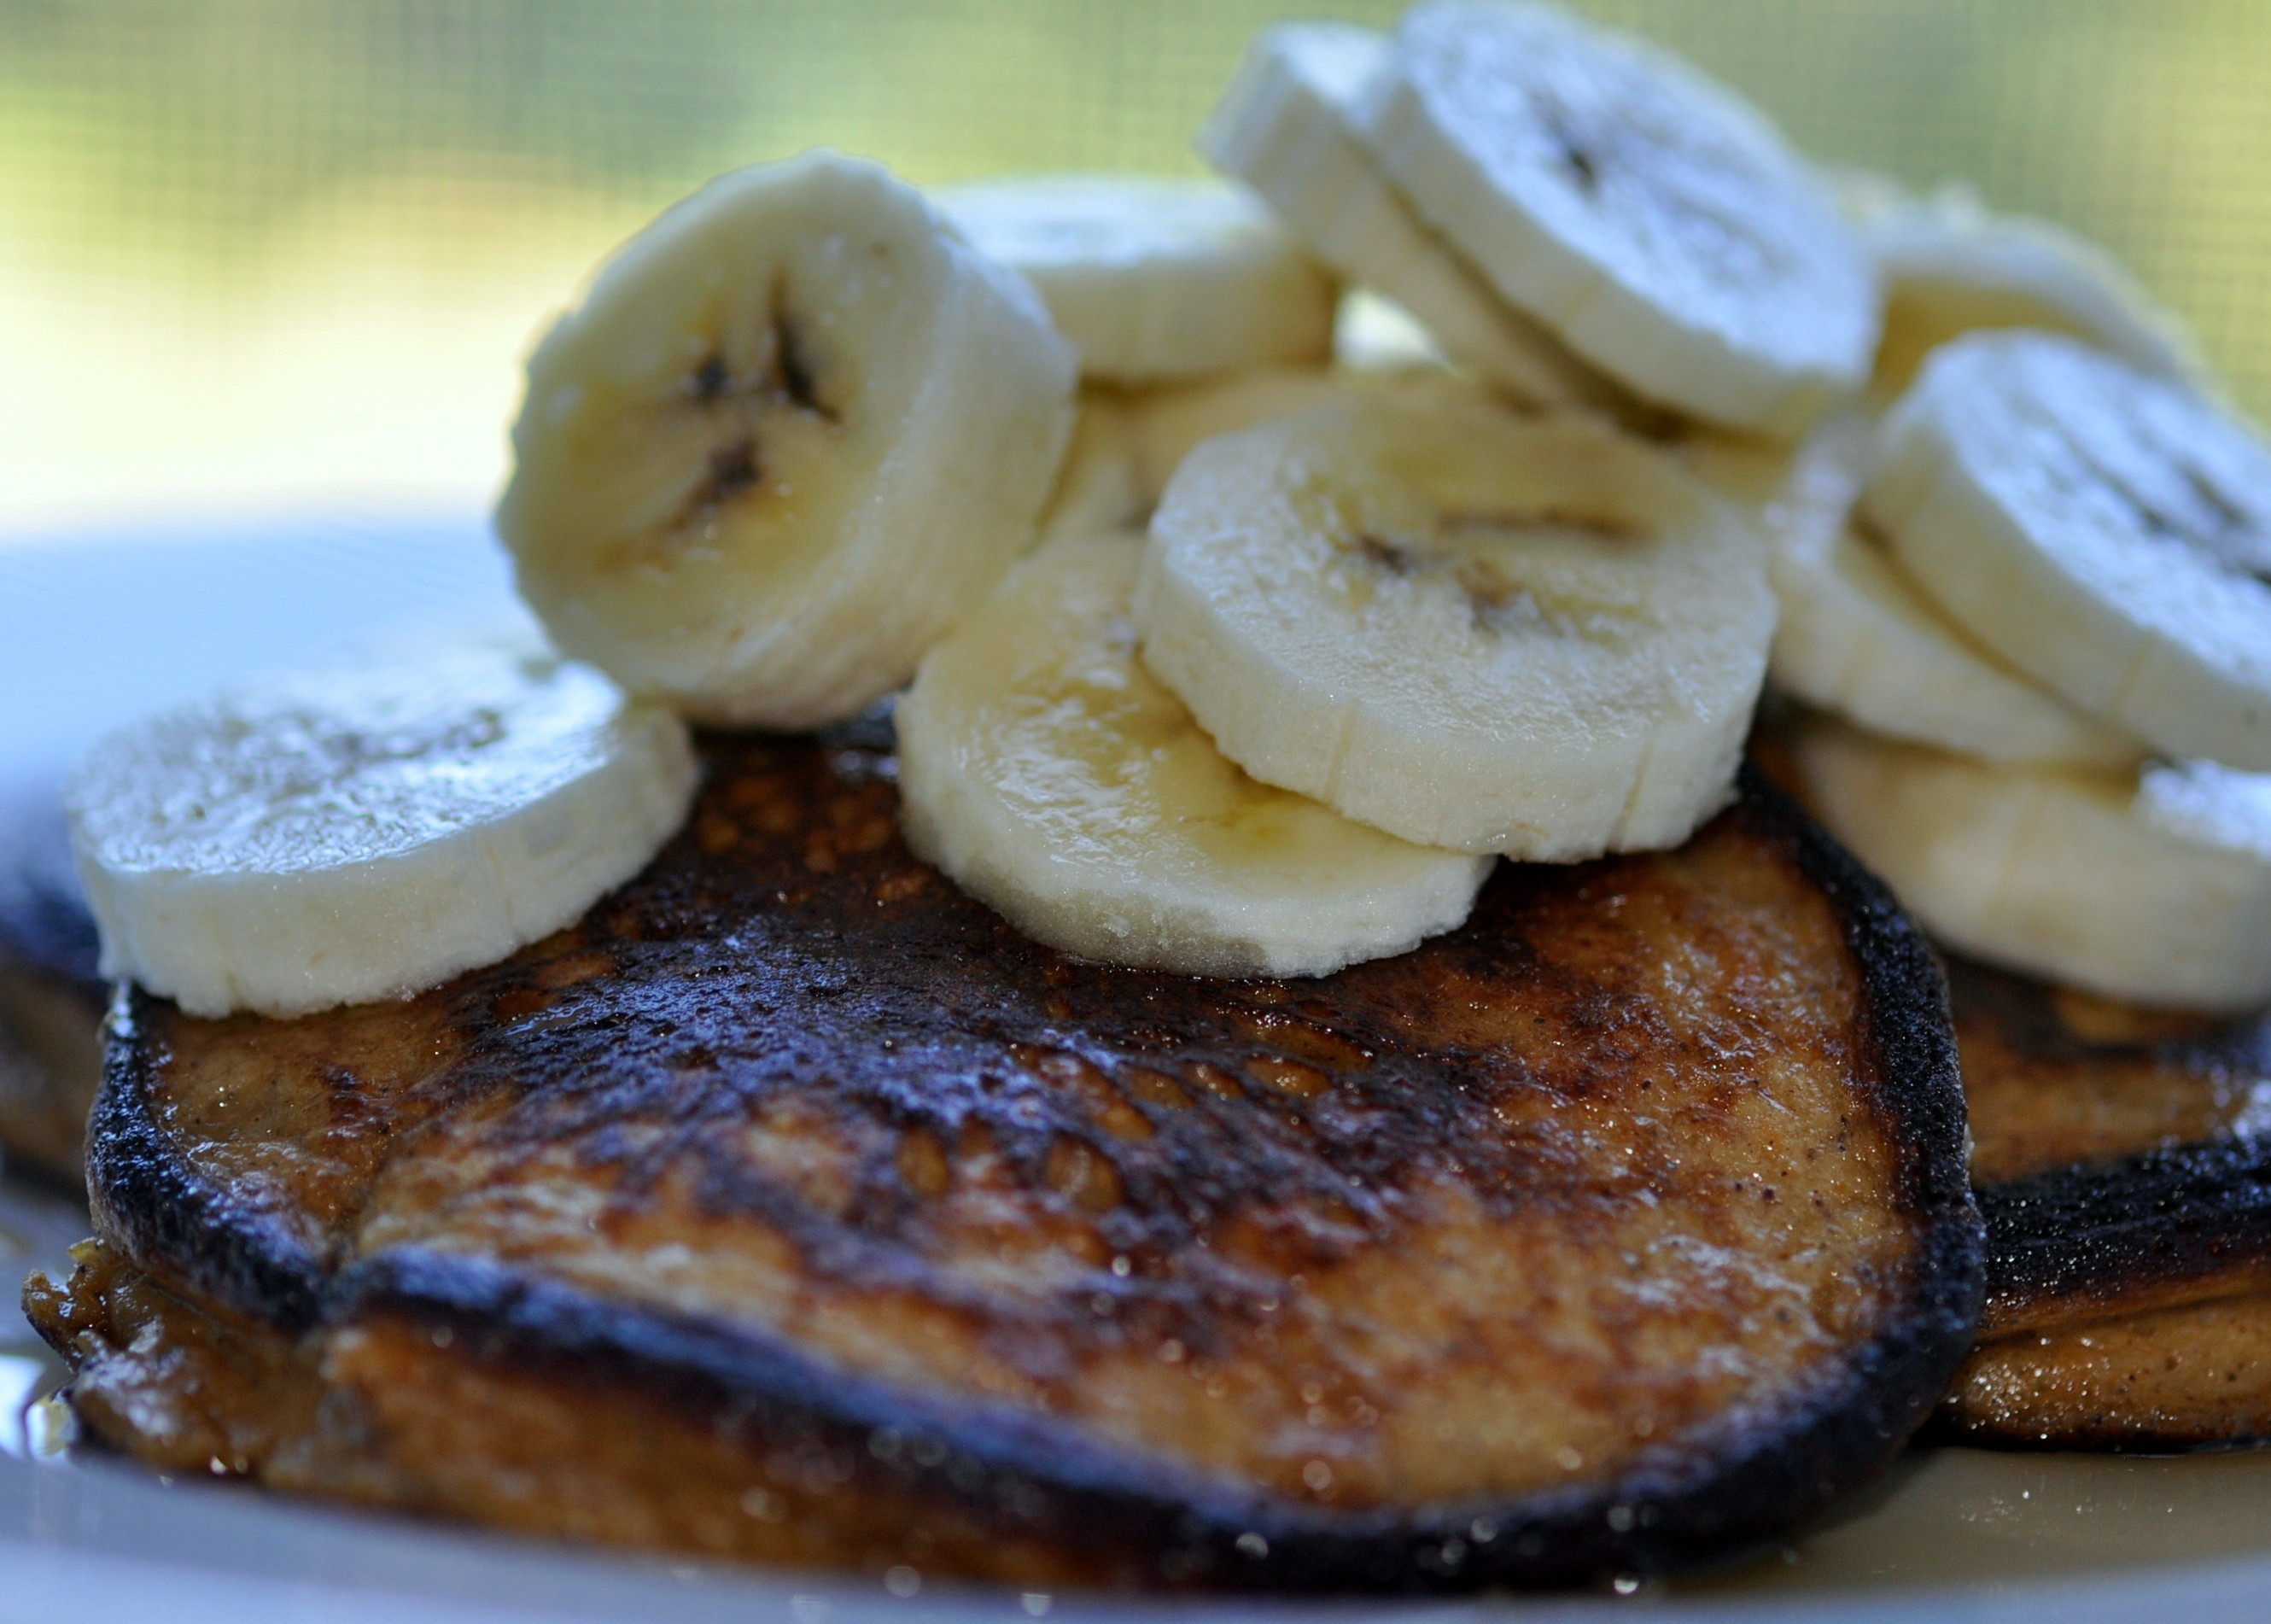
2126 1185
794 1206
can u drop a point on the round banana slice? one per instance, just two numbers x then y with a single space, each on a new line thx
795 429
365 831
1950 266
1101 487
1153 276
1169 424
1045 771
2106 532
1654 222
1466 627
1854 637
1286 128
2154 887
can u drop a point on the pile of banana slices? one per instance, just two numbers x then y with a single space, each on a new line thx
1220 655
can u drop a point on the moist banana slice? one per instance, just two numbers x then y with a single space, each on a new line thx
1154 276
1100 487
2105 531
1856 637
1468 628
794 430
369 830
2153 886
1286 127
1949 265
1051 776
1653 221
1168 424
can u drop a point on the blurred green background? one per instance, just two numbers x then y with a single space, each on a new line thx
259 253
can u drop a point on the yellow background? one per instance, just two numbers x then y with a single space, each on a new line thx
261 254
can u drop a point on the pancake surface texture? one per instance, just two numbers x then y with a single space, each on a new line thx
792 1206
2122 1163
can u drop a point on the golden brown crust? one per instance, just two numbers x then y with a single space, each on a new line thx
2058 1077
2197 1377
2127 1195
1628 1221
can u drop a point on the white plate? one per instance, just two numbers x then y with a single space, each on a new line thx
93 631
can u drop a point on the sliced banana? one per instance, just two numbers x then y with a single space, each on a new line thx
1855 637
1045 771
1101 487
1466 627
1794 493
2153 887
1950 266
1654 222
1284 127
1372 330
2106 532
365 831
1168 423
1154 276
795 429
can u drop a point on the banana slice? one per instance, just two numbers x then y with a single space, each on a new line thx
1950 266
1854 637
1051 776
2153 887
1101 487
2106 532
1286 128
1468 628
1153 276
1654 222
365 831
796 428
1373 332
1169 423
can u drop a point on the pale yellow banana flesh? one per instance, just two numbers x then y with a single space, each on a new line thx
1050 775
365 832
1468 628
1155 277
2106 532
794 431
1286 127
1856 637
1950 266
1660 227
2154 886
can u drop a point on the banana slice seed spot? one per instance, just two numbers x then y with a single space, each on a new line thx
814 427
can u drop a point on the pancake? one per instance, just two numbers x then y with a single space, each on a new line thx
2121 1165
51 998
794 1207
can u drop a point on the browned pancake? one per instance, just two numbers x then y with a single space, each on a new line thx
2127 1195
51 1000
795 1206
